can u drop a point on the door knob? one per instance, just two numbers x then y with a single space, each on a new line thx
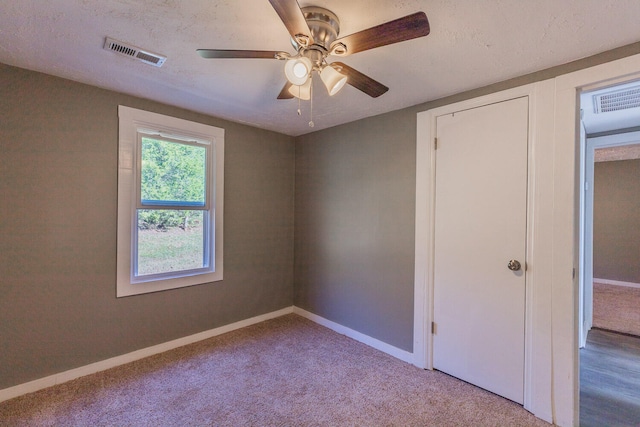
514 265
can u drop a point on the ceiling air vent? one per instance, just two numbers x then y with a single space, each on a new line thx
134 52
617 100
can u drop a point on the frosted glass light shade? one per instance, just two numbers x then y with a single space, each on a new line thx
302 91
297 70
332 79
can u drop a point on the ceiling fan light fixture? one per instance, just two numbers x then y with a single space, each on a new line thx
332 79
301 91
298 70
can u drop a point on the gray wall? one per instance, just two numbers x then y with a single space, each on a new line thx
354 230
58 169
616 221
355 207
355 214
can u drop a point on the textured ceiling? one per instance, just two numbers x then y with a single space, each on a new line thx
472 43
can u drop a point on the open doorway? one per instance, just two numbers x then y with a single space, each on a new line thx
609 309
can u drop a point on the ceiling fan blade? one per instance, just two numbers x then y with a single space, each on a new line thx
284 93
222 53
407 28
361 81
293 18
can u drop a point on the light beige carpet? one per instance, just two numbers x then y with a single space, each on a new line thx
616 308
283 372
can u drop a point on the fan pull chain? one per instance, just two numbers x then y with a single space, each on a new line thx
311 124
299 100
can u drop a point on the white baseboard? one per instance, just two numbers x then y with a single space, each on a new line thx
358 336
62 377
39 384
617 283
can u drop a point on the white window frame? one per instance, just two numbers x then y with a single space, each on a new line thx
134 123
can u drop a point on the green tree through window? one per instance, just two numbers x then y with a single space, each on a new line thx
171 174
172 231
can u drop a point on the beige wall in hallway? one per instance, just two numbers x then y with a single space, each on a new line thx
616 221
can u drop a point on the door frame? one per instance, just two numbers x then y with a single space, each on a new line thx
587 151
566 221
539 94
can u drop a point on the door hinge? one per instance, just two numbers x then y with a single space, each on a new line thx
433 327
435 143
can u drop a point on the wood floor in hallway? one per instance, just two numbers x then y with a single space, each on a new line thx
610 380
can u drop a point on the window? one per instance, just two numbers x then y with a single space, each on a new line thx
170 202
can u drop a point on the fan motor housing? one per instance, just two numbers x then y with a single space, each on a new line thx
323 24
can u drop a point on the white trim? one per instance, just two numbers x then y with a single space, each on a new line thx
358 336
131 121
585 293
566 228
39 384
588 145
62 377
616 140
423 265
617 283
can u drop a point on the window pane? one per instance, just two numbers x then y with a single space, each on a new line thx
172 173
170 240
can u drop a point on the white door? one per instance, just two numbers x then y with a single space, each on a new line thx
480 225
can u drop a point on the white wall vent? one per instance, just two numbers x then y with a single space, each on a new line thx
616 100
134 52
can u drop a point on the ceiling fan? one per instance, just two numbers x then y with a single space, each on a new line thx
314 35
